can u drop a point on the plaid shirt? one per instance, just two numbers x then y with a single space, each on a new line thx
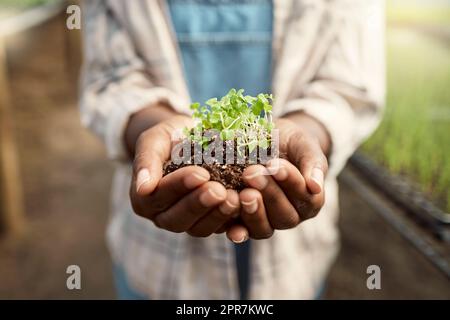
328 62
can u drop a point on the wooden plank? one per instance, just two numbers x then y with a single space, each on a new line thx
11 205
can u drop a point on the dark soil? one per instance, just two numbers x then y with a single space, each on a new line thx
229 175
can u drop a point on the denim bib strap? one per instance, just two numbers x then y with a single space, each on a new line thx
224 44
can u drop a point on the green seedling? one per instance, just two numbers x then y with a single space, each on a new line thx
245 119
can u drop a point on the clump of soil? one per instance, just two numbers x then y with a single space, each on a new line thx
229 175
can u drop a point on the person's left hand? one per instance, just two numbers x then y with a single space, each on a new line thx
284 193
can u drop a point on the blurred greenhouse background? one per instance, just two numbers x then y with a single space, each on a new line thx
414 138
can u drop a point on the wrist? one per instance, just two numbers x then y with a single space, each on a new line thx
311 127
145 119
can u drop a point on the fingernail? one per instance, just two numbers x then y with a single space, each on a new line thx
281 174
317 177
245 238
277 170
250 207
227 207
273 166
259 180
196 179
143 177
209 198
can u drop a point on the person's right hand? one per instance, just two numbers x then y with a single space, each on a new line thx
184 200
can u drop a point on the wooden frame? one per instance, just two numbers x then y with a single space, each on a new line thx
11 210
12 219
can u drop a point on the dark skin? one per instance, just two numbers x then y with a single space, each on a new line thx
186 201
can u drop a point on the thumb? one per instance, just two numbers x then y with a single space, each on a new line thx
315 179
313 165
152 150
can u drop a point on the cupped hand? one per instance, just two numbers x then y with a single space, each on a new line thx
184 200
285 192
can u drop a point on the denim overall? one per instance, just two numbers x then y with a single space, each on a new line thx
223 44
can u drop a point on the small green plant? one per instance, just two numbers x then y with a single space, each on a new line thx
245 119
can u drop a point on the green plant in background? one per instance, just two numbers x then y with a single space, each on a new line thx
414 137
418 12
21 4
245 119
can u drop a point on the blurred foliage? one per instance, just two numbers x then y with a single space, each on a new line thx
20 4
419 14
414 137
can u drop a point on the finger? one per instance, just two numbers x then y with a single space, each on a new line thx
237 233
152 150
173 187
294 186
310 160
280 212
215 219
186 212
254 214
